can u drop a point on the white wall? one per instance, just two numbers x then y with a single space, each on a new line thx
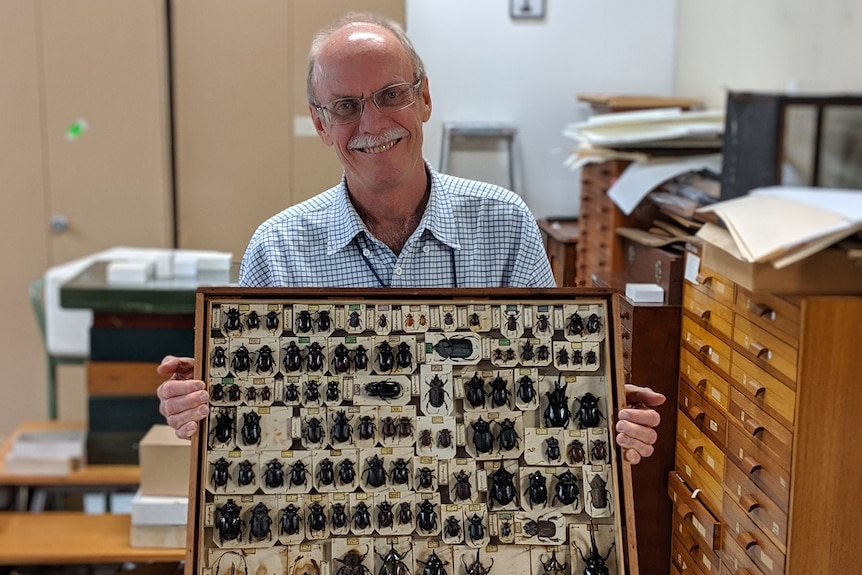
484 66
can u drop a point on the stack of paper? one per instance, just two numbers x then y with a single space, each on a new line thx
784 224
50 452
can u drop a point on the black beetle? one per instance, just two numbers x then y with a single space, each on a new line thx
217 392
436 394
375 474
289 520
576 452
434 565
590 357
233 322
508 437
316 518
595 563
400 472
476 529
393 563
303 321
219 357
527 352
598 493
274 474
566 490
475 321
454 348
526 389
313 431
220 474
405 427
272 320
462 490
354 319
405 513
223 429
552 566
593 323
404 358
499 392
341 358
360 357
557 412
366 427
312 392
452 528
229 523
385 357
476 567
250 428
426 438
543 353
241 360
552 449
426 519
250 394
444 438
265 393
382 321
352 564
292 357
315 359
588 414
324 320
543 323
512 322
298 473
234 392
265 361
346 472
575 325
598 452
425 477
333 391
537 490
476 391
385 517
386 389
563 356
325 472
337 516
291 393
361 516
505 528
260 524
245 474
577 357
544 529
388 427
502 489
341 430
483 440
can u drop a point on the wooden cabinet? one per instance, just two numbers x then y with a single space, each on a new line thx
767 465
561 245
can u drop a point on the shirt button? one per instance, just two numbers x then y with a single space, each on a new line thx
398 270
426 249
366 252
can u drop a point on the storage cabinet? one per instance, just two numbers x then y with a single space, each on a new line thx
767 464
561 245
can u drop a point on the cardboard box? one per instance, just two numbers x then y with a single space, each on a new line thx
159 510
164 460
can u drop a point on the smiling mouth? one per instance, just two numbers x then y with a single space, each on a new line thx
379 149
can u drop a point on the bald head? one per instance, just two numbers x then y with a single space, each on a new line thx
352 35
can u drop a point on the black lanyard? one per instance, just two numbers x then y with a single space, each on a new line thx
380 280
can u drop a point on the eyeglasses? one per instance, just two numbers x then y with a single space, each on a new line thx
388 100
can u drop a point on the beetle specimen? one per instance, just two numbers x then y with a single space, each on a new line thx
499 392
361 517
346 472
360 357
502 489
512 322
527 353
354 320
576 452
260 523
375 474
593 323
476 567
341 430
291 393
544 529
595 563
272 320
483 440
566 490
405 427
325 472
598 493
557 412
422 319
233 322
393 563
578 357
337 516
452 528
408 320
462 490
543 353
588 414
436 394
537 490
366 427
220 474
434 565
313 431
526 389
386 389
400 473
245 474
303 321
552 566
426 438
312 392
265 393
314 360
265 361
598 451
341 358
405 513
382 321
444 438
217 392
385 357
333 391
543 323
563 356
274 474
405 357
316 518
454 348
241 360
289 520
508 437
575 325
425 477
298 473
476 529
223 429
234 392
229 523
552 449
426 519
474 320
385 517
219 357
476 391
324 321
292 357
388 427
352 564
250 394
505 529
250 428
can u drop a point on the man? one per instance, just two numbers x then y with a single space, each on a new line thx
392 222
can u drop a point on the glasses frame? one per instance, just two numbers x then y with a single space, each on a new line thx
326 114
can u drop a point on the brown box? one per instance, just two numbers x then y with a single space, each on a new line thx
164 460
663 267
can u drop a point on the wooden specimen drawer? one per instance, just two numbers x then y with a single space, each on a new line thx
763 469
711 385
715 286
738 561
692 512
765 349
771 312
683 556
763 429
709 419
711 313
763 390
694 472
709 347
748 536
702 447
762 510
702 558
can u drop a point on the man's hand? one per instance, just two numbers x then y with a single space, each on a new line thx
636 423
182 400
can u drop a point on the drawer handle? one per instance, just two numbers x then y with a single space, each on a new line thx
705 315
693 547
749 503
750 464
754 387
696 413
746 539
695 446
704 279
625 335
752 426
625 315
760 309
759 350
684 511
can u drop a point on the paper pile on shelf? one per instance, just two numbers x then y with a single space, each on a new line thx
48 452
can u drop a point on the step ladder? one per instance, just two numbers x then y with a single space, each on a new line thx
490 139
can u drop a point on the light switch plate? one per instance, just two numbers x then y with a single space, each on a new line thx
527 8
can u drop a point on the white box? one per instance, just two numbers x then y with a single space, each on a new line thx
159 510
130 272
645 293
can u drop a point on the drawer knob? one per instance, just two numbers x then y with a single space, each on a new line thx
704 279
696 413
757 389
758 350
625 315
760 309
752 426
625 335
750 464
704 315
695 446
684 511
749 503
746 539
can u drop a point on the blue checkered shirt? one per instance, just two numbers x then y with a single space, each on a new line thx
472 233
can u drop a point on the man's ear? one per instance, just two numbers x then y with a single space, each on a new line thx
426 101
318 125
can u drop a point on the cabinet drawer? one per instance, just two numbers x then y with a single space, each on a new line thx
711 385
715 286
770 312
683 556
767 473
737 561
755 544
705 559
702 447
762 510
712 314
761 427
709 347
709 419
764 390
695 474
693 513
765 349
